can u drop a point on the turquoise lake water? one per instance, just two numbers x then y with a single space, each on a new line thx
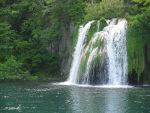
47 98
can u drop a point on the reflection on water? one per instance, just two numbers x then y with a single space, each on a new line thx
82 101
116 102
47 98
95 101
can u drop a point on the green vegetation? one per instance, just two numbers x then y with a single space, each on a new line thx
74 37
138 38
91 31
30 34
102 24
95 27
135 51
91 44
34 34
11 69
106 9
137 12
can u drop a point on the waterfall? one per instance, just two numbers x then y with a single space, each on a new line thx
78 52
116 50
102 58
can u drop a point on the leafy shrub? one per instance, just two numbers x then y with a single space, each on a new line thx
12 69
106 9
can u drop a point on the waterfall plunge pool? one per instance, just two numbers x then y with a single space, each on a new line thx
49 98
94 86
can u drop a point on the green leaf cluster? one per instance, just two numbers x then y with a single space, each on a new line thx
31 31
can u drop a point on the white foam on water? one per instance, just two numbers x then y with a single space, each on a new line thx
94 86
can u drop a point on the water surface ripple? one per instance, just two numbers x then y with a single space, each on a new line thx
49 98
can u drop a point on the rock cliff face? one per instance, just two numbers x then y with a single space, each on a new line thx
62 46
66 49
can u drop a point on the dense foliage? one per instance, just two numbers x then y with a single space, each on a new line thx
105 9
28 28
138 40
31 32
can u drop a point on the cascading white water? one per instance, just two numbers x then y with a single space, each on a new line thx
78 52
116 51
109 45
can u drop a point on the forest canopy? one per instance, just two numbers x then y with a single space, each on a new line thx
29 27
